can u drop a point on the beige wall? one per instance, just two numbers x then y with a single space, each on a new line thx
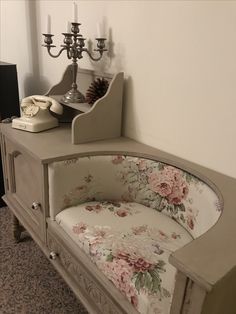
179 58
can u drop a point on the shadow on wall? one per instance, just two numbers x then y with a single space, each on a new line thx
128 112
33 83
105 63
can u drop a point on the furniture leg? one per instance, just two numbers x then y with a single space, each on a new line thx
17 228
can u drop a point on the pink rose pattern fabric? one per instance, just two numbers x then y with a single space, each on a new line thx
164 188
154 184
134 260
169 183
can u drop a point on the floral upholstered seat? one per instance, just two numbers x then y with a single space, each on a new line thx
129 214
130 243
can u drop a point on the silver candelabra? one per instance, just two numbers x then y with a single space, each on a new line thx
74 45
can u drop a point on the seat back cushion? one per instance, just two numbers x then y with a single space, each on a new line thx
167 189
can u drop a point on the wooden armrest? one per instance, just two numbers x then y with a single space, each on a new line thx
209 258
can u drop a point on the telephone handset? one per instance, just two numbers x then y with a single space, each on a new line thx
35 114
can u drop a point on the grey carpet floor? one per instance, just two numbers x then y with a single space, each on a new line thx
28 282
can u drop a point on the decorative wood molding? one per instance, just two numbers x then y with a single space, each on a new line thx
84 281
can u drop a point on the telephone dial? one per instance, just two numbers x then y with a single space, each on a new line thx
35 114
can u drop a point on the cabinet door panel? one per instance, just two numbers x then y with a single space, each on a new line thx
25 186
25 179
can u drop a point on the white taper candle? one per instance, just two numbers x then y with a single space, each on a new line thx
48 24
98 30
75 9
68 27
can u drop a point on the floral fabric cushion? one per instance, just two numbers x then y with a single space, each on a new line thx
130 243
167 189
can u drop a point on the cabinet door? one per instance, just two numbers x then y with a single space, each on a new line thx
25 187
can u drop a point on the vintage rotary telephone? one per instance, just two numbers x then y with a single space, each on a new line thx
35 114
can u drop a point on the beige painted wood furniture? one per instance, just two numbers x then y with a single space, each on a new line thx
102 120
206 273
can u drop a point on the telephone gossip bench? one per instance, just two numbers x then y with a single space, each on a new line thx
130 229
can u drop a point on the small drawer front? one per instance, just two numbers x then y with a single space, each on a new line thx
25 185
87 286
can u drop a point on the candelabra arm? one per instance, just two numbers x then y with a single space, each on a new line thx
69 54
92 57
57 55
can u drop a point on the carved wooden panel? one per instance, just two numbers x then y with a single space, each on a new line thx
86 284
